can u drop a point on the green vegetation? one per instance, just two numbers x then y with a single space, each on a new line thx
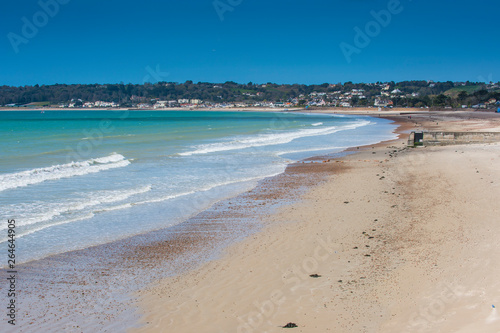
45 103
400 94
453 92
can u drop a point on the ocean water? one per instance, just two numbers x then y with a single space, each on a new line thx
74 179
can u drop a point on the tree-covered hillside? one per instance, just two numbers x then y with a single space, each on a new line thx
405 94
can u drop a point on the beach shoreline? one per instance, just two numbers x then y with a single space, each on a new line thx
265 212
105 274
335 110
364 267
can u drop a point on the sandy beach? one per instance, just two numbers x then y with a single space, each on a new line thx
390 239
229 166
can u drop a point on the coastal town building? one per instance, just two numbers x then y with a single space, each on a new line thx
421 94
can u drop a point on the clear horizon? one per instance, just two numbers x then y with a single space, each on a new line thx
72 42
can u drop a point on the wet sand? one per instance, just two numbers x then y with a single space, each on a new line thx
95 289
306 221
390 239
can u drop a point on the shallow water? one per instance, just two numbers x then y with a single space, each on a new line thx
74 179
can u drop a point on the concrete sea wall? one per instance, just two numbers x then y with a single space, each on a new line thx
454 138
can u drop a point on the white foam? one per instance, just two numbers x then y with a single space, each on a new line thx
55 172
317 124
31 231
207 188
75 208
40 212
268 139
112 208
309 150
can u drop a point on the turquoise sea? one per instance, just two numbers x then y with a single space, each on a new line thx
74 179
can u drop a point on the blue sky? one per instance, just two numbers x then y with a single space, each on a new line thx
284 41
